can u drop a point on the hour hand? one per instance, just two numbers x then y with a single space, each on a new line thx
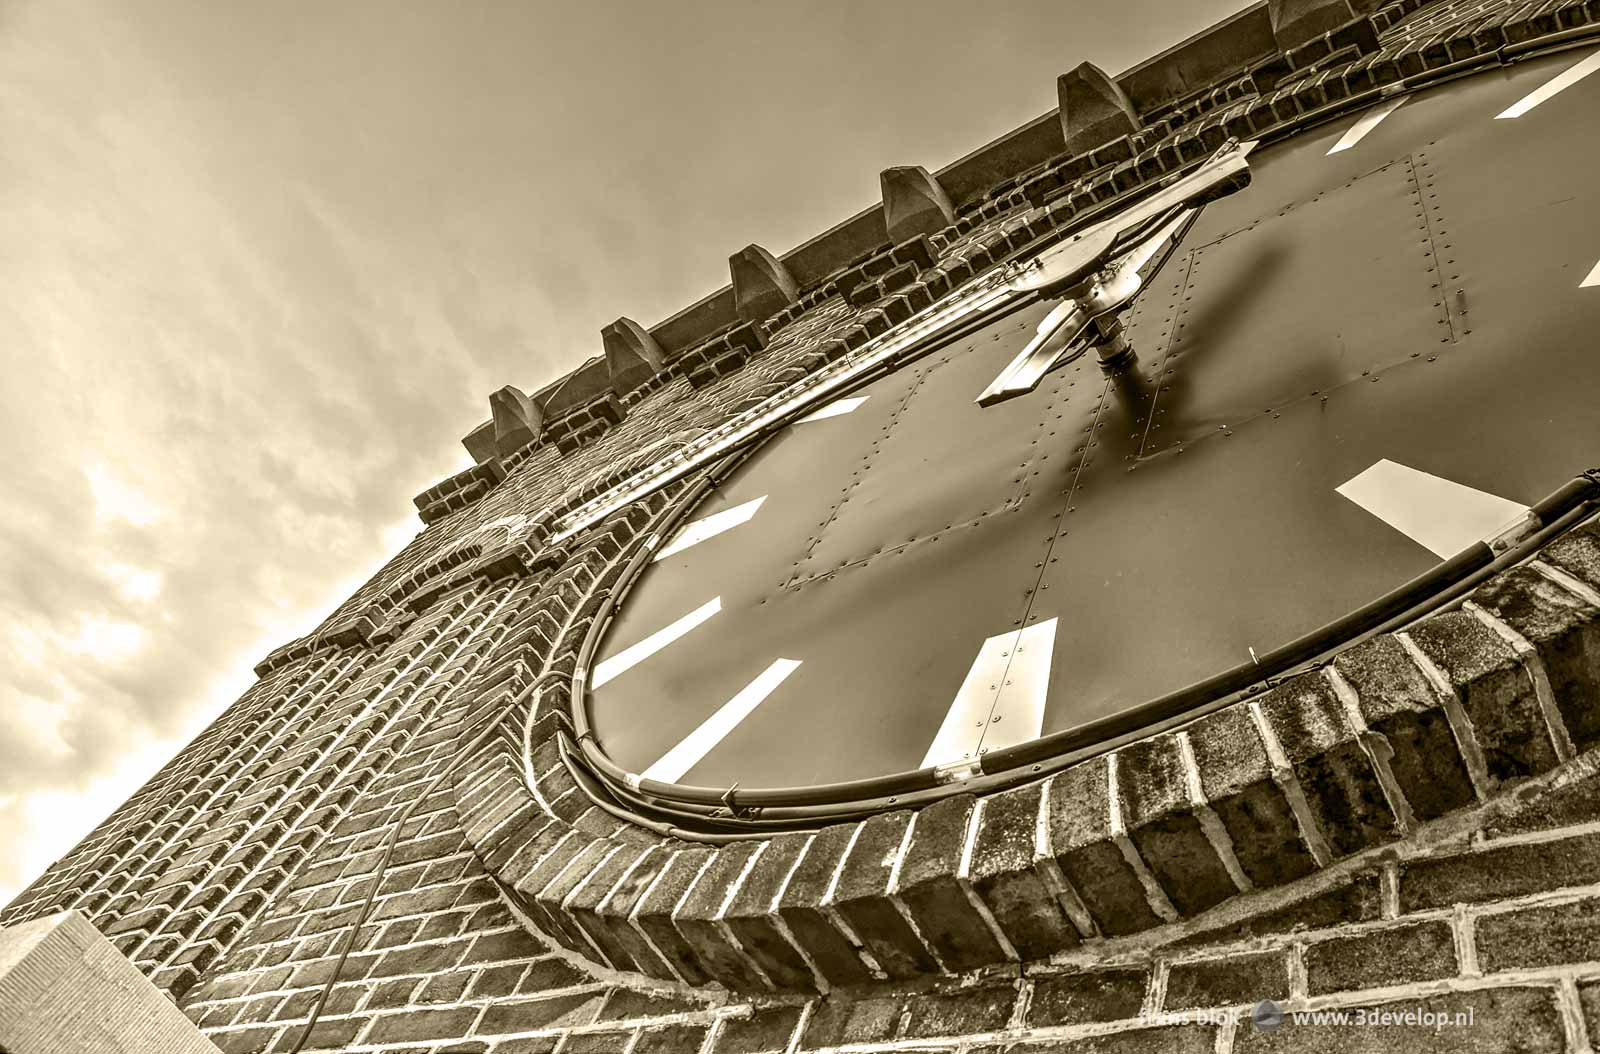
1099 271
1057 333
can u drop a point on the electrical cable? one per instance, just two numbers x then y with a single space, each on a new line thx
787 808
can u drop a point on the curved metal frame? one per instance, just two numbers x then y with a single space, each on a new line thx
726 814
730 814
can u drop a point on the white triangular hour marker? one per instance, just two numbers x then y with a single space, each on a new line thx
1001 702
1559 83
633 655
1369 120
1593 279
834 409
1442 516
710 526
697 744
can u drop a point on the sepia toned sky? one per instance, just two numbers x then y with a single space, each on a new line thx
262 263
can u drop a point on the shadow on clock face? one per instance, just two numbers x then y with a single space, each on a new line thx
1355 367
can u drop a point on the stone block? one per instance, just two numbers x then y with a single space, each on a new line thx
750 916
1378 958
1080 998
1542 936
847 1019
517 421
673 1039
65 990
767 1031
1578 554
329 1033
917 252
937 894
624 898
861 896
632 355
1227 981
1499 872
528 1015
1333 770
1236 778
1094 109
913 203
697 918
762 285
1564 629
1397 701
607 1042
1496 693
569 864
257 1040
801 909
959 1012
1164 824
1082 843
1589 998
654 913
1006 875
583 906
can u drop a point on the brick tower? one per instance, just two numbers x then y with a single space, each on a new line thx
1288 742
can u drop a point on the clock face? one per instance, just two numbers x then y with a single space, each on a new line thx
1380 351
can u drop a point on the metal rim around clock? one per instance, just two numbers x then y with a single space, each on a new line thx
1497 253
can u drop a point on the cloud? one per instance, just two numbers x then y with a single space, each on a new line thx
263 264
211 418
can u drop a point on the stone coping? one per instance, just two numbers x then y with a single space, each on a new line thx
1394 734
1024 210
1048 192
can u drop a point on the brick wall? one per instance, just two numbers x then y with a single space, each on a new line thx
1498 913
1427 844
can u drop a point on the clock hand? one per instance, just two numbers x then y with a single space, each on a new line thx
984 301
1077 259
1088 318
1098 271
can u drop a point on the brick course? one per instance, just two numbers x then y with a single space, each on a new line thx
1413 830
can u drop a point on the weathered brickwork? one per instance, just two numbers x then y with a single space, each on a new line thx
1413 827
1398 732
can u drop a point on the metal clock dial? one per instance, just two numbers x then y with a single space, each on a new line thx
1379 352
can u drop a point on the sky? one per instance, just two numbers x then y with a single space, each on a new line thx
262 263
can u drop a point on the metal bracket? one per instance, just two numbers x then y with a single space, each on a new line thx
957 771
1510 537
734 809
